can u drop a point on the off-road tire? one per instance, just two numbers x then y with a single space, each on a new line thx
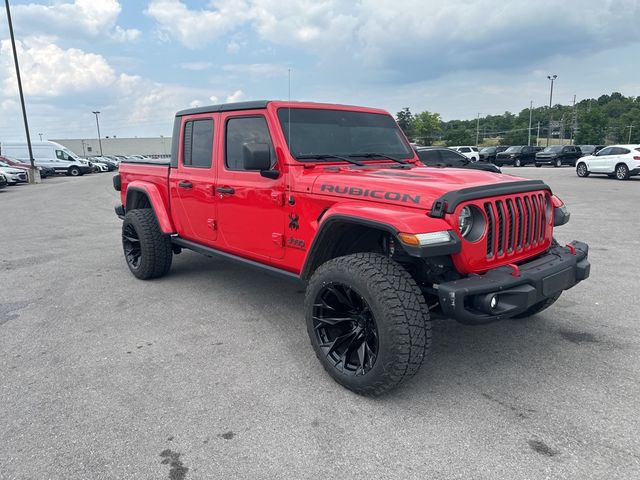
581 170
622 171
74 172
400 312
155 246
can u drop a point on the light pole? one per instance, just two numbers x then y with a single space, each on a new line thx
530 109
630 127
33 177
98 125
40 136
477 130
552 78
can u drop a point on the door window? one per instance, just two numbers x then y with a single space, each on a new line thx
464 149
453 159
605 151
620 151
197 147
429 157
243 131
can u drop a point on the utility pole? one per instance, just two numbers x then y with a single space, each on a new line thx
34 175
478 130
530 110
630 127
98 125
574 120
552 78
538 135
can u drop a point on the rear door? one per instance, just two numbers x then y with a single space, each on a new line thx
192 181
250 207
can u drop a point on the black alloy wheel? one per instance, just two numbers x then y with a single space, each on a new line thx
345 329
131 245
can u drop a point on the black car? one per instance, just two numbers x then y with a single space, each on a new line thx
517 155
590 149
445 157
3 180
488 154
558 155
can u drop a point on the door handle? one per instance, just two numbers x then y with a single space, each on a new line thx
228 190
185 184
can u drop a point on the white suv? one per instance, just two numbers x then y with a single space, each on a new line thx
471 153
616 161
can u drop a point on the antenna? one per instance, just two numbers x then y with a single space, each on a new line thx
289 110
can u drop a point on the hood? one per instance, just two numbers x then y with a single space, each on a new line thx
547 154
417 187
11 170
505 154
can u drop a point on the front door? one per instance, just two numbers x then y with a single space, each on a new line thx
250 207
600 163
192 181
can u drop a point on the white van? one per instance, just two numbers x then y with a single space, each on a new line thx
48 154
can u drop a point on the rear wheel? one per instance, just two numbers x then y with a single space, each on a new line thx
622 171
367 321
581 170
147 250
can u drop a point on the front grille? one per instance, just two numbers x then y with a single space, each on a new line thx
515 224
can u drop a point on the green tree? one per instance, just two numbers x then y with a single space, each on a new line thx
459 136
427 127
406 122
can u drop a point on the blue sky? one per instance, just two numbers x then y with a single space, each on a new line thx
139 61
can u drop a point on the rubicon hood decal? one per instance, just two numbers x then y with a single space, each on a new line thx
365 192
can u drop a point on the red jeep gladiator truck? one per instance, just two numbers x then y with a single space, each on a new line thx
335 196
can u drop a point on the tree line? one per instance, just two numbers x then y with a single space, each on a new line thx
600 121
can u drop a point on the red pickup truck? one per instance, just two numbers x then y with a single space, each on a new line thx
335 196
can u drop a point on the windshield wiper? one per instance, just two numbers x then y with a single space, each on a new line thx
382 155
322 156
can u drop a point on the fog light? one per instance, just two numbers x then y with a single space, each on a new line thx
493 303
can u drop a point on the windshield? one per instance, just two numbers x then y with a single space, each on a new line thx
553 149
338 132
488 150
513 149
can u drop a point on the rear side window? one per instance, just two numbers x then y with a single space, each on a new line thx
464 149
197 146
429 157
243 131
620 151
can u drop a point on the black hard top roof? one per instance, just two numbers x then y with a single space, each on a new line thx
225 107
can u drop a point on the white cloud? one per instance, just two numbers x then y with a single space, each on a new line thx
196 66
233 47
48 70
69 19
196 28
236 96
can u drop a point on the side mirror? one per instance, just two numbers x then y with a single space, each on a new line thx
257 156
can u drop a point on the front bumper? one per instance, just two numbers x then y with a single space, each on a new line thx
515 289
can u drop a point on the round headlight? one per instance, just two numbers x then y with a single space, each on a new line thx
465 221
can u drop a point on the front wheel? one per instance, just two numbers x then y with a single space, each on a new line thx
558 163
581 170
147 250
74 172
622 172
367 321
538 165
517 162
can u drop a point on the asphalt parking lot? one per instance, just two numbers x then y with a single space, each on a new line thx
208 372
